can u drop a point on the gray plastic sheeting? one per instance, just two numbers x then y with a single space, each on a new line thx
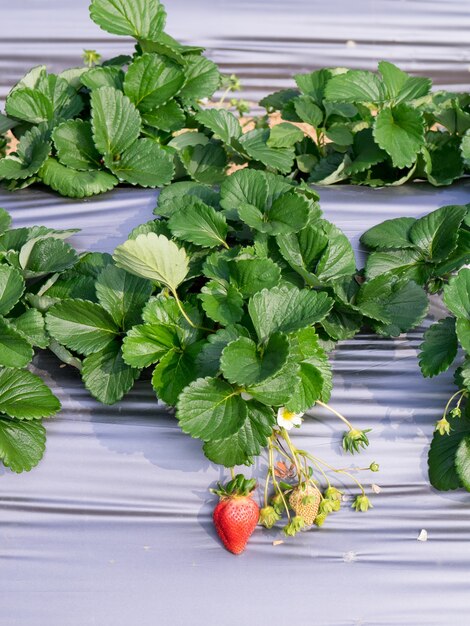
113 528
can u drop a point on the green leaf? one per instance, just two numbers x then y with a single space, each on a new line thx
340 135
52 99
277 100
205 163
407 263
31 326
163 309
337 259
123 295
366 153
145 163
81 325
302 251
98 77
398 303
457 294
222 303
355 86
278 389
286 309
106 376
245 363
442 455
394 233
23 395
5 221
169 117
208 360
15 351
202 78
6 123
154 257
244 187
176 370
22 444
284 135
399 131
315 378
115 121
465 147
255 144
253 275
200 224
31 153
442 158
247 442
314 83
463 333
308 111
439 347
141 19
44 256
462 462
73 141
288 213
73 183
436 233
222 123
210 409
331 169
151 81
146 344
11 288
320 253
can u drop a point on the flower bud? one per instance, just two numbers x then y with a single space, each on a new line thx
333 494
326 506
294 526
268 516
354 440
374 467
320 519
362 503
443 427
277 503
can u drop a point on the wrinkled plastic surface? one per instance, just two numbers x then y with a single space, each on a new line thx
114 527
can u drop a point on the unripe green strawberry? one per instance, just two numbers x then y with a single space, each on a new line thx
320 519
304 501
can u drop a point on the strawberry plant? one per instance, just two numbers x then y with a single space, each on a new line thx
87 129
433 251
373 129
231 301
29 259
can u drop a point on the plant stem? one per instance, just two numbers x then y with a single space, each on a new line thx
286 438
274 479
331 468
341 417
186 316
460 391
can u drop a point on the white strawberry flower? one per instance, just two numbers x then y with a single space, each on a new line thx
288 419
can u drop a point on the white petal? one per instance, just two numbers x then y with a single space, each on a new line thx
423 535
283 423
297 421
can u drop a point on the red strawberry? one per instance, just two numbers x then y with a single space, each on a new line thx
236 515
